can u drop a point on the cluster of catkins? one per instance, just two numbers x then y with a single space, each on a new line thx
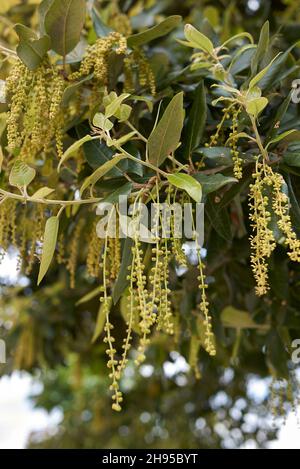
17 230
35 116
97 59
267 195
149 302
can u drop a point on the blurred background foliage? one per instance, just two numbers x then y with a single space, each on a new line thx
166 406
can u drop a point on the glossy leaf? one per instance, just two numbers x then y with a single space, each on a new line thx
165 137
187 183
64 21
196 122
73 149
213 182
232 317
122 280
42 193
49 244
197 39
21 174
262 47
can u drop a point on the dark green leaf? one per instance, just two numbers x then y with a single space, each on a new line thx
213 182
218 218
100 172
122 282
187 183
49 243
216 156
100 27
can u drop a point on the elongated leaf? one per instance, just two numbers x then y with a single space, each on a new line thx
72 150
216 156
165 137
21 174
31 50
100 172
196 122
161 29
90 295
232 317
49 243
101 318
64 21
42 10
187 183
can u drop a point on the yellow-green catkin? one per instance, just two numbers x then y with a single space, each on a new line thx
262 240
237 161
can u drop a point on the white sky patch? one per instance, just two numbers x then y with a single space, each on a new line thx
18 417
